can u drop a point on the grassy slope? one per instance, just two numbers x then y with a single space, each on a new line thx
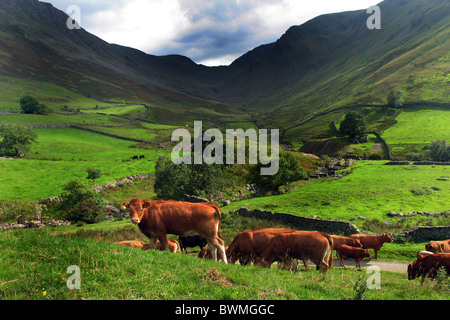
112 272
417 127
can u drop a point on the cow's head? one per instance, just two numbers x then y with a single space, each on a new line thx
136 207
357 243
388 237
367 254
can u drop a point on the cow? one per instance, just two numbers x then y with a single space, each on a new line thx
160 218
428 266
205 253
421 254
438 246
133 244
248 245
191 242
340 240
374 242
173 246
345 251
302 245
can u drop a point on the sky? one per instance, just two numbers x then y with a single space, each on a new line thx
210 32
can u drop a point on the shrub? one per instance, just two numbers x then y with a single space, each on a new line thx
18 211
353 125
395 99
440 150
30 105
81 203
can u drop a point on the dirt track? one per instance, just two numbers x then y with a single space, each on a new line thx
384 266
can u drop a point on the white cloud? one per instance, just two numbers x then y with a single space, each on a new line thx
142 24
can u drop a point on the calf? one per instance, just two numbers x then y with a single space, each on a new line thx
345 251
374 242
206 253
172 244
428 266
339 241
191 242
133 244
438 246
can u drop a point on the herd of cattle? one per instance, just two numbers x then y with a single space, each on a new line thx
263 247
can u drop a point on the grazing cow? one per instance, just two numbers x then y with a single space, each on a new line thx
141 157
133 244
339 240
248 245
345 251
374 242
173 246
421 254
438 246
302 245
191 242
134 158
205 253
162 217
428 266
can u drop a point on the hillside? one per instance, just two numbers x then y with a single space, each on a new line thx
329 61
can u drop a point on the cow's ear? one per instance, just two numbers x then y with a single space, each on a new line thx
124 205
146 204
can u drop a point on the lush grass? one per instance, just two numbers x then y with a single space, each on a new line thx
34 264
64 154
371 190
417 127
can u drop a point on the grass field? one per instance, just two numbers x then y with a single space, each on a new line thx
416 128
33 266
371 190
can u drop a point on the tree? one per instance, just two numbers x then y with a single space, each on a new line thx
440 150
353 125
395 99
289 171
93 174
174 181
16 140
30 105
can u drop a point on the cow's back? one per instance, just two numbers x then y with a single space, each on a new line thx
438 246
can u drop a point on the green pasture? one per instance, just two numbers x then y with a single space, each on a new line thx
64 154
417 127
34 264
371 190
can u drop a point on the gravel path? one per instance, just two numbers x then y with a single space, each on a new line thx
384 266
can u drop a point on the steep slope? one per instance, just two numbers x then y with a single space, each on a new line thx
329 61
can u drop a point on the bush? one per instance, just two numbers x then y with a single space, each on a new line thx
395 99
81 203
440 150
18 211
353 125
289 171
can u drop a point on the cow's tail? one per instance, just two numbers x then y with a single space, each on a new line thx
218 216
329 252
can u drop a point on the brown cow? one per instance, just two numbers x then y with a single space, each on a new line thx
374 242
133 244
339 240
206 253
438 246
302 245
428 266
421 254
248 245
162 217
173 246
345 251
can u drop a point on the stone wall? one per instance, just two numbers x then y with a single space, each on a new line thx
301 223
422 234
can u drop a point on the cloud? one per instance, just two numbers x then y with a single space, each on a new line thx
207 31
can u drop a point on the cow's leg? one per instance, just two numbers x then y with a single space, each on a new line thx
341 260
376 253
164 243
